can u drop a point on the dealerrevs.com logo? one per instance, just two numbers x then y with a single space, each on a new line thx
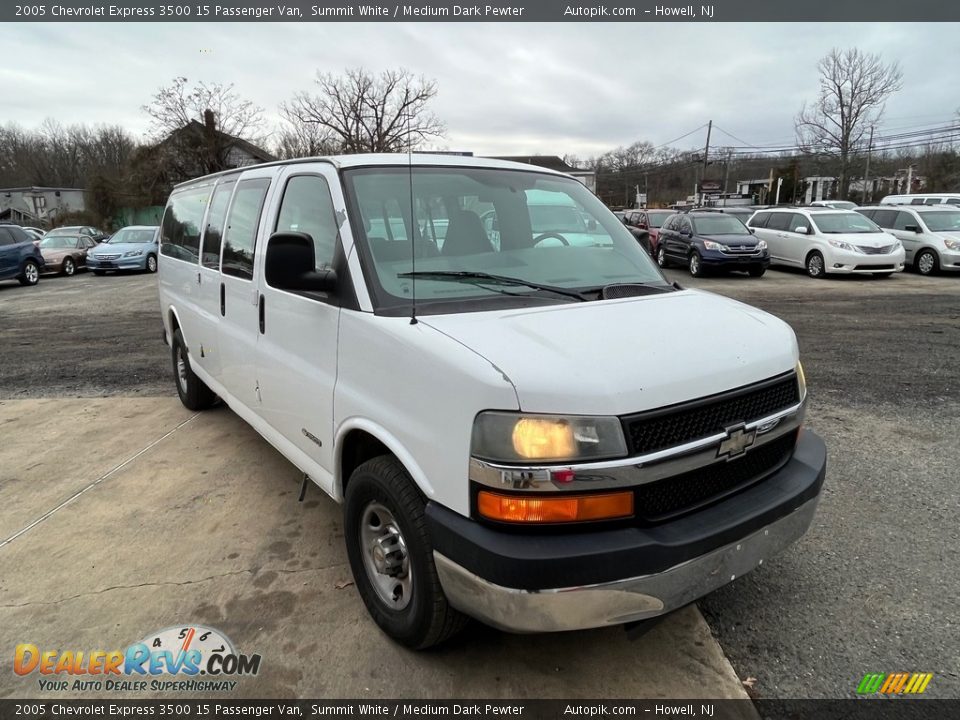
188 658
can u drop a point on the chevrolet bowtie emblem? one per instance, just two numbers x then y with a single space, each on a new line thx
737 441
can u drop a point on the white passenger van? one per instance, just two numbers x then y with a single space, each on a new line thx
922 199
538 433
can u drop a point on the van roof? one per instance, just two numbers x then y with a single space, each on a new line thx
387 160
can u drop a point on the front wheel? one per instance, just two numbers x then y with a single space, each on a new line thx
68 266
815 266
30 275
193 392
695 264
151 263
391 555
926 263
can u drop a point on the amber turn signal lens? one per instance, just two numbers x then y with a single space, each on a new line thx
557 509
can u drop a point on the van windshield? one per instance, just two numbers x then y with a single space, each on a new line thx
457 223
843 222
942 221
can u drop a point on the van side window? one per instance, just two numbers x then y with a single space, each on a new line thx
917 201
933 201
180 229
213 234
884 218
902 220
759 220
307 207
779 221
240 237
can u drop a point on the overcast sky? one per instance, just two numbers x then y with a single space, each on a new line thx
511 88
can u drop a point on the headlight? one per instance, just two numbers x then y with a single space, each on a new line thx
711 245
801 382
516 438
761 244
841 244
133 253
952 244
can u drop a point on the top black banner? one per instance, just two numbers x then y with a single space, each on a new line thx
496 11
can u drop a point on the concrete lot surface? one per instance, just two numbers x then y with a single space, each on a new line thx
204 526
194 519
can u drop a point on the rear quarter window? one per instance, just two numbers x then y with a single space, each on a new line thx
182 220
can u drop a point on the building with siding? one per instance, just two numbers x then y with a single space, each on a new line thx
39 205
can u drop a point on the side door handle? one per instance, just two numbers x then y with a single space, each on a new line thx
262 318
223 300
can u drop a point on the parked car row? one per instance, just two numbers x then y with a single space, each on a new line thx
65 250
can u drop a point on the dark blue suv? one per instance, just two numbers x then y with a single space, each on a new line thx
706 241
20 259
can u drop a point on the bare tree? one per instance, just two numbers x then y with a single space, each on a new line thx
297 139
854 87
196 123
369 113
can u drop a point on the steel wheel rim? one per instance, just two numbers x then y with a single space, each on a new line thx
181 369
32 273
925 263
694 264
385 556
815 265
68 267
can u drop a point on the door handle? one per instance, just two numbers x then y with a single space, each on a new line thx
262 304
223 300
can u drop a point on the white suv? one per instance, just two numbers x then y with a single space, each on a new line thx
930 235
826 240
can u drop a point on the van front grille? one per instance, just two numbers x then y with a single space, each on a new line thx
659 429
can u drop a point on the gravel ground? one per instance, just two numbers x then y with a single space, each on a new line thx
872 587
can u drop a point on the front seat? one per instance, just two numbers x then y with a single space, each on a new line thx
465 235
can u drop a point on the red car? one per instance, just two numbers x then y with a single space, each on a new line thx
649 221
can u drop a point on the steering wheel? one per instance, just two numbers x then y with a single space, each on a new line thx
544 236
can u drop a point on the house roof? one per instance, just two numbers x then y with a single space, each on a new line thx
35 188
194 127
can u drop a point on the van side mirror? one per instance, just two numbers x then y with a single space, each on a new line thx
912 228
802 230
291 264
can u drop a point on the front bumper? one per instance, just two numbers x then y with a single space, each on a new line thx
716 259
542 583
847 263
131 263
950 261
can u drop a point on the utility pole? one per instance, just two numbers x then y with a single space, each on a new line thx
866 173
706 155
909 178
726 172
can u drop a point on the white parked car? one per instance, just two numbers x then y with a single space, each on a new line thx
827 241
930 235
520 431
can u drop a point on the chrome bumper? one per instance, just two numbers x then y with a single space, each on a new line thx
622 601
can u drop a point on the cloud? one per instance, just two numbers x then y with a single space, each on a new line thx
576 88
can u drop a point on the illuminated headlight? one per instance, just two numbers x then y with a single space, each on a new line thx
842 245
952 244
801 382
519 437
711 245
761 244
133 253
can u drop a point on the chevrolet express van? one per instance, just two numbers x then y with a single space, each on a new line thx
538 433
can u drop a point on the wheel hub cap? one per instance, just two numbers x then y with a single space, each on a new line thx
926 263
385 556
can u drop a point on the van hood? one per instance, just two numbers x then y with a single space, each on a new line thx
872 240
614 357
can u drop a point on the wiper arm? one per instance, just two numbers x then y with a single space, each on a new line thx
481 277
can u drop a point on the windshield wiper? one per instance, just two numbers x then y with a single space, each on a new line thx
482 277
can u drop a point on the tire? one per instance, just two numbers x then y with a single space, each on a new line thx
756 271
30 275
99 272
815 266
194 394
391 556
151 264
662 260
926 262
69 267
695 265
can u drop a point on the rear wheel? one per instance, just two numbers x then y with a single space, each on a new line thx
757 271
815 266
926 262
30 275
662 257
68 266
193 392
391 555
